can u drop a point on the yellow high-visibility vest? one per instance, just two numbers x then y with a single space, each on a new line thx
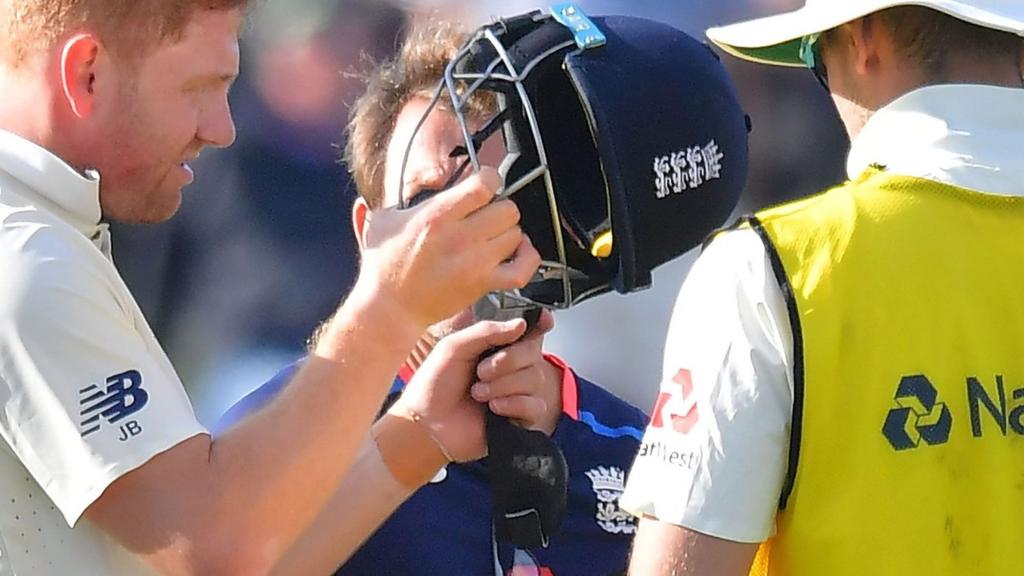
906 299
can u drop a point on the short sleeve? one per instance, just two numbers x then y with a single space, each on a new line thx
713 457
86 393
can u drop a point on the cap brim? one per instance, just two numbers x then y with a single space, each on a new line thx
776 39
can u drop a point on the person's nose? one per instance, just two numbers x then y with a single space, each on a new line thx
217 126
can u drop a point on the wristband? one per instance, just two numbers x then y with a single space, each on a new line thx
409 450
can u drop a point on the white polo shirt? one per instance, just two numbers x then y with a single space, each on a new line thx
86 392
714 458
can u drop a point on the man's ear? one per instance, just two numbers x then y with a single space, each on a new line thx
78 61
360 216
867 41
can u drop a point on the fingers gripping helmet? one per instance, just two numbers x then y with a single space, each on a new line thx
625 143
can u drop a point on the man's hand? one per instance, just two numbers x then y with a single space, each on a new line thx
517 382
439 391
439 257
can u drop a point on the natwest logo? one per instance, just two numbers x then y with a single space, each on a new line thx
677 407
919 415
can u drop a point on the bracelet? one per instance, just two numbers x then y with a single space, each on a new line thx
415 416
409 448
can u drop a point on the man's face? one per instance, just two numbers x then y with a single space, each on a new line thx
159 113
429 167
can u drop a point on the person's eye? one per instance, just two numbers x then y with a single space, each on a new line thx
421 195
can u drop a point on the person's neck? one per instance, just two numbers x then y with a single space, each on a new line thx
19 121
963 70
20 111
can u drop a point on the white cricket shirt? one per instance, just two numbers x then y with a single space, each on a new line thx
714 457
86 392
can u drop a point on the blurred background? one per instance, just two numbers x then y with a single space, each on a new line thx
262 249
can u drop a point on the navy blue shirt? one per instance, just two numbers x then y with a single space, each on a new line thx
445 526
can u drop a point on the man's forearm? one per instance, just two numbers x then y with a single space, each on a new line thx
366 497
280 467
236 504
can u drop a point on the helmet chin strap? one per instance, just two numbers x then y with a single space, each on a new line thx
528 473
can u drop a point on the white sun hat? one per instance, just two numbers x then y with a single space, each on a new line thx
776 39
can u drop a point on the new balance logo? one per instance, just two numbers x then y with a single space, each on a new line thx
679 409
122 397
918 415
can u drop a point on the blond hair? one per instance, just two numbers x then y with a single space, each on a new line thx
930 38
129 27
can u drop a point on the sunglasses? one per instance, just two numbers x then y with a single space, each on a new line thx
810 53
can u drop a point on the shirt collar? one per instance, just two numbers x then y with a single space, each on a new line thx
72 196
963 135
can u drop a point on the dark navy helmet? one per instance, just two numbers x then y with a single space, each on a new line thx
625 143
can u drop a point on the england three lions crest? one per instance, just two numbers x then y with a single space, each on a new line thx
687 169
608 484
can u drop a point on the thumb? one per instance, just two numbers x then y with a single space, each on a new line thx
545 323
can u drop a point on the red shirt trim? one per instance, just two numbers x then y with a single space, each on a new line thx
405 373
570 388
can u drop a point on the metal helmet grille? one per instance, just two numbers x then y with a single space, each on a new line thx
484 64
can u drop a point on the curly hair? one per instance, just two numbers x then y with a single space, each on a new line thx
415 72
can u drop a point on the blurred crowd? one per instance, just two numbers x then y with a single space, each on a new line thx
262 249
